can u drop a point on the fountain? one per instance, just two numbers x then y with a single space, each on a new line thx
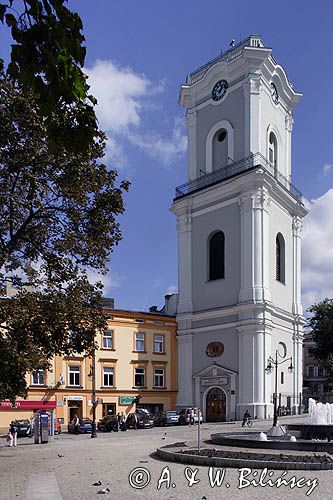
313 436
320 413
320 423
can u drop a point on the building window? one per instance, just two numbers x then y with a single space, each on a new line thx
139 377
220 149
280 258
108 380
216 256
74 375
272 150
320 371
159 343
310 371
108 339
158 377
140 342
282 378
38 377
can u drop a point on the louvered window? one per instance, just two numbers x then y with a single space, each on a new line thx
216 256
280 258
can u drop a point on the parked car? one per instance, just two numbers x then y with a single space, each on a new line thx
144 420
166 418
84 427
23 427
184 416
57 426
108 423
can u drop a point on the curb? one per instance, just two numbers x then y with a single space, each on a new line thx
177 457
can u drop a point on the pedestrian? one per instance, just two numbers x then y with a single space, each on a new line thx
76 424
118 421
122 422
246 417
191 417
13 433
135 421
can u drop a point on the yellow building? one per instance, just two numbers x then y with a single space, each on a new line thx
136 357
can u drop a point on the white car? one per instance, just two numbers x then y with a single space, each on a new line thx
184 416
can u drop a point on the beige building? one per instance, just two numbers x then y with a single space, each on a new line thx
137 356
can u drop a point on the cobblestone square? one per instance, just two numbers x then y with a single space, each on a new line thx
67 467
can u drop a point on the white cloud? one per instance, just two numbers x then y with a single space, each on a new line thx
317 251
109 280
118 92
126 101
163 149
327 168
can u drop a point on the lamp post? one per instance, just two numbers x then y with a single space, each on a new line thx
92 377
269 369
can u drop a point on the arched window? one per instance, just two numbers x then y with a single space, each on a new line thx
216 256
280 258
220 149
272 150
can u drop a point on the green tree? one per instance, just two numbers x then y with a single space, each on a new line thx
321 324
47 57
59 211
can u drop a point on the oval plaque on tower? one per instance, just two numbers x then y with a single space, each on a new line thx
214 349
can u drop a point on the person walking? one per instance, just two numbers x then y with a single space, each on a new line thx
76 424
246 417
13 433
191 421
135 421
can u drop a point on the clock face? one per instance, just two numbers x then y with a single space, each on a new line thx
274 93
219 90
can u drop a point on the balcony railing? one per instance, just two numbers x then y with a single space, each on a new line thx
251 162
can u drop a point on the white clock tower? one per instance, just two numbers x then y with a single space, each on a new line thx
239 236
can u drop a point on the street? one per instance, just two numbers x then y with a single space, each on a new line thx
67 467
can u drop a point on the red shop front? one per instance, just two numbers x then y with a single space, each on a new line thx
23 410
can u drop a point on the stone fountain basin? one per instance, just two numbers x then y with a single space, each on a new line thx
251 440
311 431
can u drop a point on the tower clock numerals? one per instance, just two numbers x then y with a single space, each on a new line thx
219 90
274 94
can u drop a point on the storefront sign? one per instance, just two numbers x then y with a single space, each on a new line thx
74 398
207 381
126 400
28 405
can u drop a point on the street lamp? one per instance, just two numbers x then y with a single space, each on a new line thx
92 377
269 369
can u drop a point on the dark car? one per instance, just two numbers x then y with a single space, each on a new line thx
84 427
108 423
166 418
144 420
23 428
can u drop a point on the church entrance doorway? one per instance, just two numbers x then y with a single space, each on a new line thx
216 405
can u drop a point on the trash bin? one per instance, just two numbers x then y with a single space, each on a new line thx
44 427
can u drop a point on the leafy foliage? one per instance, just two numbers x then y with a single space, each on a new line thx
47 58
321 324
58 220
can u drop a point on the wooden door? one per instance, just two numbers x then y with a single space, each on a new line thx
215 405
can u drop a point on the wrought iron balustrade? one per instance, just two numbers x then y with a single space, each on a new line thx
256 160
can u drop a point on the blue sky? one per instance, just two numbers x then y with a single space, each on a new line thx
138 54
